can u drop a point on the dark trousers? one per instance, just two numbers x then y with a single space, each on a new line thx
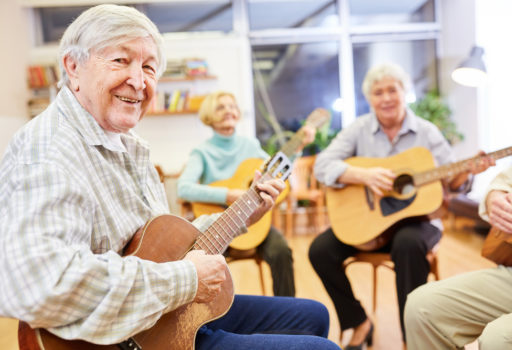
408 247
275 251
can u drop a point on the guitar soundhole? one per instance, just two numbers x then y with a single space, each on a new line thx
404 185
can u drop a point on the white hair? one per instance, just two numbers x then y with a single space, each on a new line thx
107 25
385 70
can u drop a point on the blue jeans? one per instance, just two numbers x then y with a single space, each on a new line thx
258 322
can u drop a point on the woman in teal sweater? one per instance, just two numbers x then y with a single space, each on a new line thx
217 159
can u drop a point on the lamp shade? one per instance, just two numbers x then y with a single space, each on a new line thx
471 72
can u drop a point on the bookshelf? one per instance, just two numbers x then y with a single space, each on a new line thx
181 95
42 83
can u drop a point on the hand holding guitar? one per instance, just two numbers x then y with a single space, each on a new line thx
211 273
268 191
476 165
499 207
308 133
378 179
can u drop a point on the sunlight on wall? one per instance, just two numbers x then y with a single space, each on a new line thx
493 26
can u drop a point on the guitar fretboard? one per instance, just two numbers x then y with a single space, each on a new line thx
452 169
217 237
316 119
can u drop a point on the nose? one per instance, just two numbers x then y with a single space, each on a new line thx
136 77
386 96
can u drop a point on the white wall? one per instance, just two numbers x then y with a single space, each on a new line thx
15 40
457 37
482 114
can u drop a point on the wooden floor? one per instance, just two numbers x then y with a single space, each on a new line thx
459 252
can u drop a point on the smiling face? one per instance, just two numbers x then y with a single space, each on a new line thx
116 84
387 99
226 115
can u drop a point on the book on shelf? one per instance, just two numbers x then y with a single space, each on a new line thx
39 76
173 101
186 68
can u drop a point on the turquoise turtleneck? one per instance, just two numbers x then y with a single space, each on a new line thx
215 159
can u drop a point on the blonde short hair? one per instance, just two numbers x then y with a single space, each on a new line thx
385 70
210 104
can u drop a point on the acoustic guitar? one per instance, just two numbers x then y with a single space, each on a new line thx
498 247
359 217
242 178
169 238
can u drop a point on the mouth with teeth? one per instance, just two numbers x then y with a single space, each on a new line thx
126 99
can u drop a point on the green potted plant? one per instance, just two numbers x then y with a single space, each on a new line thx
432 108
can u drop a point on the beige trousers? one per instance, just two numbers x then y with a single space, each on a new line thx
451 313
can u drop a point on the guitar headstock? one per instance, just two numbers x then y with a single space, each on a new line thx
279 166
318 117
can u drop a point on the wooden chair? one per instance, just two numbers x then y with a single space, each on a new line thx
235 254
377 259
304 186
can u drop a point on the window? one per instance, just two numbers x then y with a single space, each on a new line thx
292 80
391 11
190 16
269 14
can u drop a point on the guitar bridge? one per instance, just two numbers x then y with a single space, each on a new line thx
129 344
369 197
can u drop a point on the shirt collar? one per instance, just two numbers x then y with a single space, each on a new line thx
222 140
410 123
88 127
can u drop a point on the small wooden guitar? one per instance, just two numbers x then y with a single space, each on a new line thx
169 238
358 217
498 247
242 178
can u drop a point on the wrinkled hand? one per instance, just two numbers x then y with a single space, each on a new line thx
211 273
269 191
378 179
499 207
482 164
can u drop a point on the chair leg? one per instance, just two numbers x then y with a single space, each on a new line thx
374 288
434 268
289 218
262 280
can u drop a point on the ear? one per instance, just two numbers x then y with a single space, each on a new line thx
72 69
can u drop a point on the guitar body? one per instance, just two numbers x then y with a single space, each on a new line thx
164 238
241 179
498 247
358 217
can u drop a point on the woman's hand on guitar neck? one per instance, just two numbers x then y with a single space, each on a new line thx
269 191
211 273
308 135
499 208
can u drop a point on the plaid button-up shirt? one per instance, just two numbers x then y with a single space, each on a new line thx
70 199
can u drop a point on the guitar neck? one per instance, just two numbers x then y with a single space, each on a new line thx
219 235
452 169
290 147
